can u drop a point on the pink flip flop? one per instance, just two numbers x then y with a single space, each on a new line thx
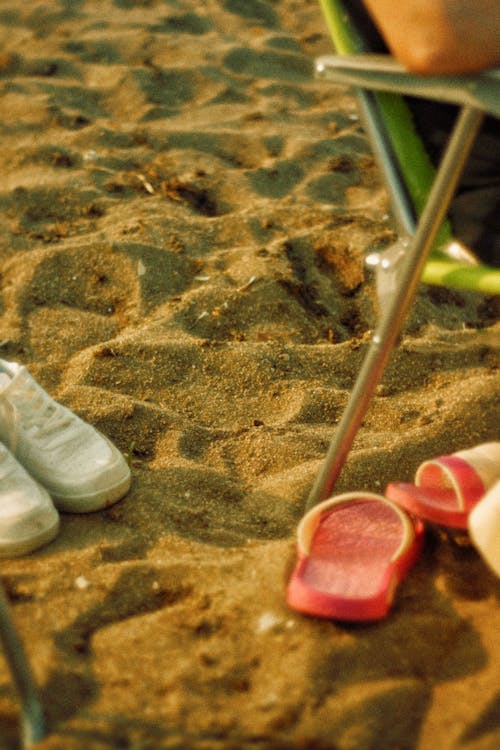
353 550
447 488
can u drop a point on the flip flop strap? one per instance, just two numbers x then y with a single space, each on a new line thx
454 473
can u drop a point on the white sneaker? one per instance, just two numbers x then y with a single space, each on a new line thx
28 518
78 466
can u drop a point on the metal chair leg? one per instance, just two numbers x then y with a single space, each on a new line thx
393 317
400 201
32 719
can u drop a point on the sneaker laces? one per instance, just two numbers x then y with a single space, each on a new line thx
37 413
5 463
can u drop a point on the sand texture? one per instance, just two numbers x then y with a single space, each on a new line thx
185 215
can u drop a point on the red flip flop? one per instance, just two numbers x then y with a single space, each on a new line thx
447 488
353 550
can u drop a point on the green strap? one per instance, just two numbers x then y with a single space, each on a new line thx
480 278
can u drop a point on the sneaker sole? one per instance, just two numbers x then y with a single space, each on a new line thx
89 503
30 544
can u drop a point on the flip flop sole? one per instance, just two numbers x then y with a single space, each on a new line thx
447 488
437 506
350 564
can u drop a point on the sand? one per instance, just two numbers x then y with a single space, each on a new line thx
185 214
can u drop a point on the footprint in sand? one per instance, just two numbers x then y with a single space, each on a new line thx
94 51
52 287
183 23
269 64
254 10
276 181
169 90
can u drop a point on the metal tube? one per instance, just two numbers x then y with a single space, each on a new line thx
32 720
386 161
392 320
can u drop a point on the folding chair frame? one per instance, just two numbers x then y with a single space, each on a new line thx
475 96
32 719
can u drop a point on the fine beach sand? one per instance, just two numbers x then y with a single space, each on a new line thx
185 214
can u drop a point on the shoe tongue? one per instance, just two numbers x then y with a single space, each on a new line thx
19 383
21 390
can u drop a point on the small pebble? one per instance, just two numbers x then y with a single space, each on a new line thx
82 583
268 621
